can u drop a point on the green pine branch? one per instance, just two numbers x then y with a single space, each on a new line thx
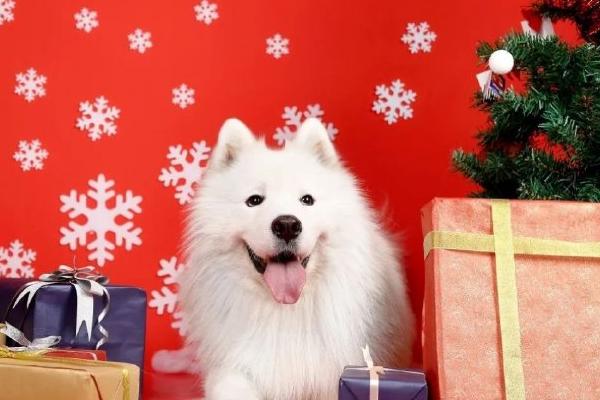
541 141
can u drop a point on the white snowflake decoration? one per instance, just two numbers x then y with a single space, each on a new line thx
15 261
293 119
30 85
30 155
165 300
179 322
183 96
86 20
6 11
206 12
98 118
185 170
394 101
277 46
101 219
419 37
140 40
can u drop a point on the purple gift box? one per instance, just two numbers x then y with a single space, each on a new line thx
393 384
52 312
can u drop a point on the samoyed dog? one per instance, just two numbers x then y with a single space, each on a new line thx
289 273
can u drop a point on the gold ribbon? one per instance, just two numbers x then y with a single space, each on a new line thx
505 246
38 355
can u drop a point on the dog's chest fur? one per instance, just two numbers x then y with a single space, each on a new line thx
289 351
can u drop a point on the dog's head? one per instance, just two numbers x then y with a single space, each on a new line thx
276 207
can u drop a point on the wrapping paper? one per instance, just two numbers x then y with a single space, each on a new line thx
8 288
52 312
95 355
558 302
61 379
394 384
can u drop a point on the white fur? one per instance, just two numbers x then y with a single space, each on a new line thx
251 347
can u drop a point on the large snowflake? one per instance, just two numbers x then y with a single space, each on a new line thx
183 96
394 101
15 261
185 170
86 20
419 37
140 41
293 119
98 118
277 46
206 12
30 155
165 300
30 85
6 11
101 219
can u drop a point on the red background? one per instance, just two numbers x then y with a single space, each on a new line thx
339 51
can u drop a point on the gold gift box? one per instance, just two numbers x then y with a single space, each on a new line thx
31 376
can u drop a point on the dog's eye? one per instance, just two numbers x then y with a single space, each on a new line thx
307 200
254 200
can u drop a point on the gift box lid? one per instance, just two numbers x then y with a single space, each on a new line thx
394 384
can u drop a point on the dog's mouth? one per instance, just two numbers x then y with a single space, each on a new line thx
284 274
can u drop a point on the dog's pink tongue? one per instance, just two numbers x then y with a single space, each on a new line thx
285 281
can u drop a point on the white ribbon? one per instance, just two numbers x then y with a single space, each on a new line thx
374 372
87 284
27 345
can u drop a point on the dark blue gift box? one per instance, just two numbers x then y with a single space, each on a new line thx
8 288
395 384
52 312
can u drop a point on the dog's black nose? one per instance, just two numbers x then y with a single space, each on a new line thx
286 227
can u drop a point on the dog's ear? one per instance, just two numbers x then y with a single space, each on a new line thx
313 136
233 137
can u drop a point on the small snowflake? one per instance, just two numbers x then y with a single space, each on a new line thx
394 101
206 12
6 11
30 85
86 20
183 96
98 118
15 261
30 155
277 46
293 119
185 170
101 219
419 37
166 300
140 40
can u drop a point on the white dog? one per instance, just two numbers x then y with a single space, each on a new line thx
288 272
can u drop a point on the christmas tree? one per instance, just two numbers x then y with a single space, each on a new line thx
542 142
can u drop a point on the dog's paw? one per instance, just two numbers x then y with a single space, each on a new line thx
229 385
